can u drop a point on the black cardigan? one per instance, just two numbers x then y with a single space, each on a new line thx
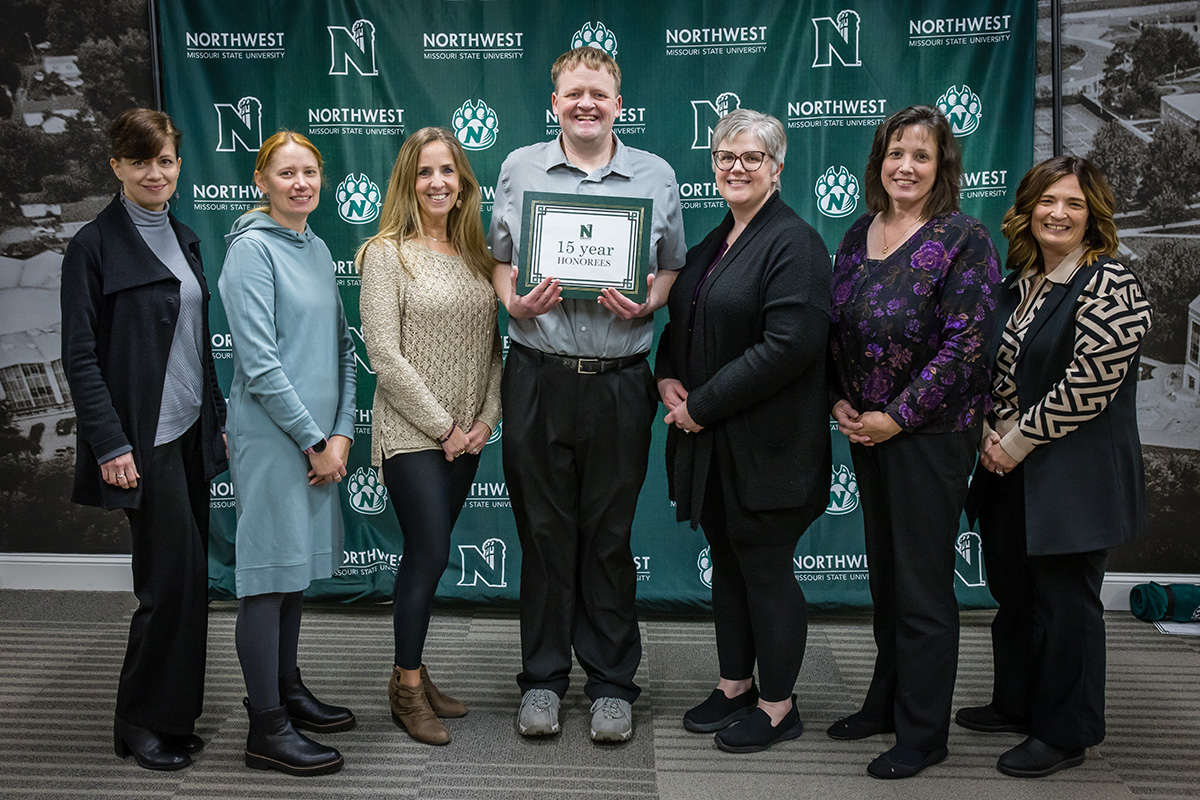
1086 490
119 308
753 364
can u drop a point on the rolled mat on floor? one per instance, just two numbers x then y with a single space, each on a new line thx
1178 602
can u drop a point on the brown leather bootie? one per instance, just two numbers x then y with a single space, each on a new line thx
411 711
442 704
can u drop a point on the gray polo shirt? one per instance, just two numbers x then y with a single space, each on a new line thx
583 327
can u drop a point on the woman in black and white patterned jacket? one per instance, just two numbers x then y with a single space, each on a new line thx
1060 480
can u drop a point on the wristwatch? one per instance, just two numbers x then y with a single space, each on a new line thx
318 448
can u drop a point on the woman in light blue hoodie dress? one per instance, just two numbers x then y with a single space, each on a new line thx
291 423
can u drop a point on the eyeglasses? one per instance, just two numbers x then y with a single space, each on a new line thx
751 159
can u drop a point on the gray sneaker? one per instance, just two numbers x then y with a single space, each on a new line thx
539 713
612 720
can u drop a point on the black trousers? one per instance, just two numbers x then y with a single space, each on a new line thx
912 488
759 610
428 493
1048 634
575 453
162 679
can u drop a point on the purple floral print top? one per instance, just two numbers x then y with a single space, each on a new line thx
910 333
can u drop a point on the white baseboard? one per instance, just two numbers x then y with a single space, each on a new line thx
93 573
110 573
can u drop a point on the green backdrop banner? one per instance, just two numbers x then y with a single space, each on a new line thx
357 76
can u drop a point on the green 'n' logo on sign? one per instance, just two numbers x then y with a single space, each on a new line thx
585 231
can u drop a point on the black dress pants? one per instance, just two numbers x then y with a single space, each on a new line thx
575 454
1048 634
912 488
759 610
162 679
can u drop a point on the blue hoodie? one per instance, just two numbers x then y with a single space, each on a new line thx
293 383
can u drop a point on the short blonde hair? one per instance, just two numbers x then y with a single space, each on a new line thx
590 57
271 146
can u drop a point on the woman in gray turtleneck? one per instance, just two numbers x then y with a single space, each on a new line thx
150 436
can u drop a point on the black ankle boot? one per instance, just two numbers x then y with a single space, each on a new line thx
308 712
274 744
149 749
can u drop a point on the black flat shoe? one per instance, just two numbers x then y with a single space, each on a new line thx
904 762
988 720
1033 758
858 726
189 743
756 733
148 748
719 711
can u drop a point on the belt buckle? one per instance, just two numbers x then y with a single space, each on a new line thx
582 366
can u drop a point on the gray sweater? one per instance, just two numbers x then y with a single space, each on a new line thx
185 366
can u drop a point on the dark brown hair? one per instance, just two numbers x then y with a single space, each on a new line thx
943 198
1100 237
140 133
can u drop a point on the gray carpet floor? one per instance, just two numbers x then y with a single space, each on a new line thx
60 653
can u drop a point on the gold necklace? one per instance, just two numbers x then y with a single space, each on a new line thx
903 238
443 241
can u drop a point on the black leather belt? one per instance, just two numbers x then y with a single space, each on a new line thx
583 366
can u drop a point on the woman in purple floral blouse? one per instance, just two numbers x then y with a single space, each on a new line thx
914 287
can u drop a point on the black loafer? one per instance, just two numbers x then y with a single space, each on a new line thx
858 726
756 733
988 720
1033 758
148 748
719 711
189 743
904 762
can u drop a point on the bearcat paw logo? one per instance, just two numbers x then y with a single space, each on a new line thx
595 34
962 108
704 564
837 192
843 491
475 125
358 199
367 494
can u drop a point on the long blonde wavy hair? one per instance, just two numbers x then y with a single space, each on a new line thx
400 218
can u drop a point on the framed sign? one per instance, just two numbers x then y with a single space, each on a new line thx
588 243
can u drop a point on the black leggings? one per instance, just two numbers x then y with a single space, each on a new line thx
759 609
428 493
267 636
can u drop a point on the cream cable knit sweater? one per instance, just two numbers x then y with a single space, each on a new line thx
432 340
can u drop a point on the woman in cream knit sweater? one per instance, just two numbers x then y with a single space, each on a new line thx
429 322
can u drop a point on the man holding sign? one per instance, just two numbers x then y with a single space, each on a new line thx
587 234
